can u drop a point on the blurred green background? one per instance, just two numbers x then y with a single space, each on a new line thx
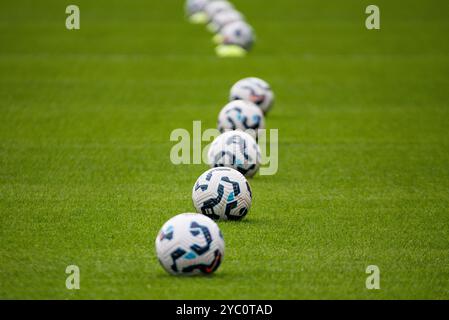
85 176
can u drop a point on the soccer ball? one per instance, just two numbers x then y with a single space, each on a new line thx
241 115
190 244
238 33
214 7
224 18
237 150
195 6
254 90
222 193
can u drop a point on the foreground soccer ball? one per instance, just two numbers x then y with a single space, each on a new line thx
222 193
238 33
237 150
224 18
241 115
190 244
214 7
254 90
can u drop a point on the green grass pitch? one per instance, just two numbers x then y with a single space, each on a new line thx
363 119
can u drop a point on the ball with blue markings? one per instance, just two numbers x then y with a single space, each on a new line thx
235 149
222 194
238 33
241 115
190 244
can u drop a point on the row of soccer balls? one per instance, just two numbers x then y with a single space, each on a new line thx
239 122
192 243
223 19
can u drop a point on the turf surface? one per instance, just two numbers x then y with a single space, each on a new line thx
85 176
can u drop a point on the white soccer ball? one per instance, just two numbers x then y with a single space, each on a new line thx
195 6
224 18
189 244
241 115
254 90
237 150
222 193
238 33
214 7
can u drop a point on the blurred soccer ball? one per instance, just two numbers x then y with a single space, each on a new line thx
224 18
190 244
238 33
241 115
214 7
195 6
222 193
254 90
237 150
